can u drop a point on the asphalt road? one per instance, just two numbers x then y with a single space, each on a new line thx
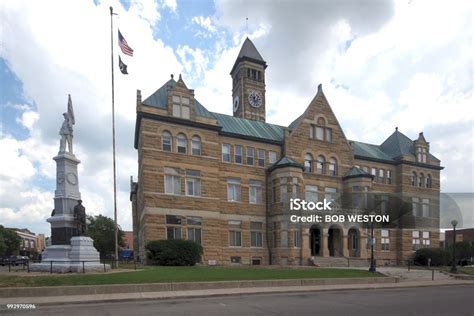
446 300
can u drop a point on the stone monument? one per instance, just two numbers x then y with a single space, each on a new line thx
70 250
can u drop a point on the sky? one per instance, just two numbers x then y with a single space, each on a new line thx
382 64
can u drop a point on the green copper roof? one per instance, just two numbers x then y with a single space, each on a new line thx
285 162
356 172
239 126
397 145
369 150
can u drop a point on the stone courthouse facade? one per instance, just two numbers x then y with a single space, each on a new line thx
226 181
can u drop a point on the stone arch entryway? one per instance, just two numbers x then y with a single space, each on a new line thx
335 241
315 235
353 242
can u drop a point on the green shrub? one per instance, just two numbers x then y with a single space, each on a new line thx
439 257
174 252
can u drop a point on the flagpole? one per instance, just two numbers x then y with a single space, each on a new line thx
113 131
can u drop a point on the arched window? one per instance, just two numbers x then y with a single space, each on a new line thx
308 163
428 181
414 179
332 166
196 145
166 141
182 143
421 180
320 164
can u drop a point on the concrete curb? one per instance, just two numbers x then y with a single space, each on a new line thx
196 294
188 286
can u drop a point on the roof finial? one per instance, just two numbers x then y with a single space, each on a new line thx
320 88
247 25
396 128
180 77
172 76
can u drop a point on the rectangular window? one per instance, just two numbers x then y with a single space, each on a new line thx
261 158
272 157
234 190
311 193
328 135
255 192
385 240
319 133
174 233
194 220
283 190
250 155
194 234
238 154
416 210
330 194
295 189
389 176
173 219
425 207
226 152
383 204
381 177
172 181
297 239
193 183
274 191
181 107
235 233
256 234
374 173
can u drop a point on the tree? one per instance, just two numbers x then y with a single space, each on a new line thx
102 230
11 241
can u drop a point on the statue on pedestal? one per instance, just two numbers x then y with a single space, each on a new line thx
80 218
66 130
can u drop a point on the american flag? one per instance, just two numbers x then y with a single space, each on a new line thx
127 50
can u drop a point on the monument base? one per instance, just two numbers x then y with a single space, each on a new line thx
80 256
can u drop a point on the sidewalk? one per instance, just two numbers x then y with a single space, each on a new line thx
95 298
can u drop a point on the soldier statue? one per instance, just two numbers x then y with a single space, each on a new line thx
66 130
80 218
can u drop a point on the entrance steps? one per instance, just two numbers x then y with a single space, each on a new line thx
341 262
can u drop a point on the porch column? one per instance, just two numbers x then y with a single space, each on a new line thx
324 242
345 246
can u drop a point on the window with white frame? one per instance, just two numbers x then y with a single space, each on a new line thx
414 179
320 163
250 155
181 107
308 163
193 183
172 181
283 190
261 158
196 145
174 227
425 207
425 241
422 154
428 181
416 240
381 176
256 234
235 233
332 167
226 152
238 154
166 141
416 207
296 239
255 192
272 157
311 193
194 229
234 190
389 176
385 240
182 143
330 194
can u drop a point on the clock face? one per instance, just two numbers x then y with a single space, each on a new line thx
255 99
236 103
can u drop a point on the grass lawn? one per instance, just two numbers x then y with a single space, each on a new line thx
467 270
181 274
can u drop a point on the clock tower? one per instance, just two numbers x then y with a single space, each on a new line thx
248 83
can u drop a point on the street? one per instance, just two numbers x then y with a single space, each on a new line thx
444 300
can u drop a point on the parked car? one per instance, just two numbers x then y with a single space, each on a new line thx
4 261
17 260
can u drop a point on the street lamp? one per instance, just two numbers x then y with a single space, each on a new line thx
453 268
372 242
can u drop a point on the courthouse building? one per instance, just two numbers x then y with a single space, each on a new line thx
226 181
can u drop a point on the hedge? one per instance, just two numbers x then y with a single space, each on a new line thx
439 257
174 252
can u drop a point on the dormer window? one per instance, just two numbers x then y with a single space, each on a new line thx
181 107
422 154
